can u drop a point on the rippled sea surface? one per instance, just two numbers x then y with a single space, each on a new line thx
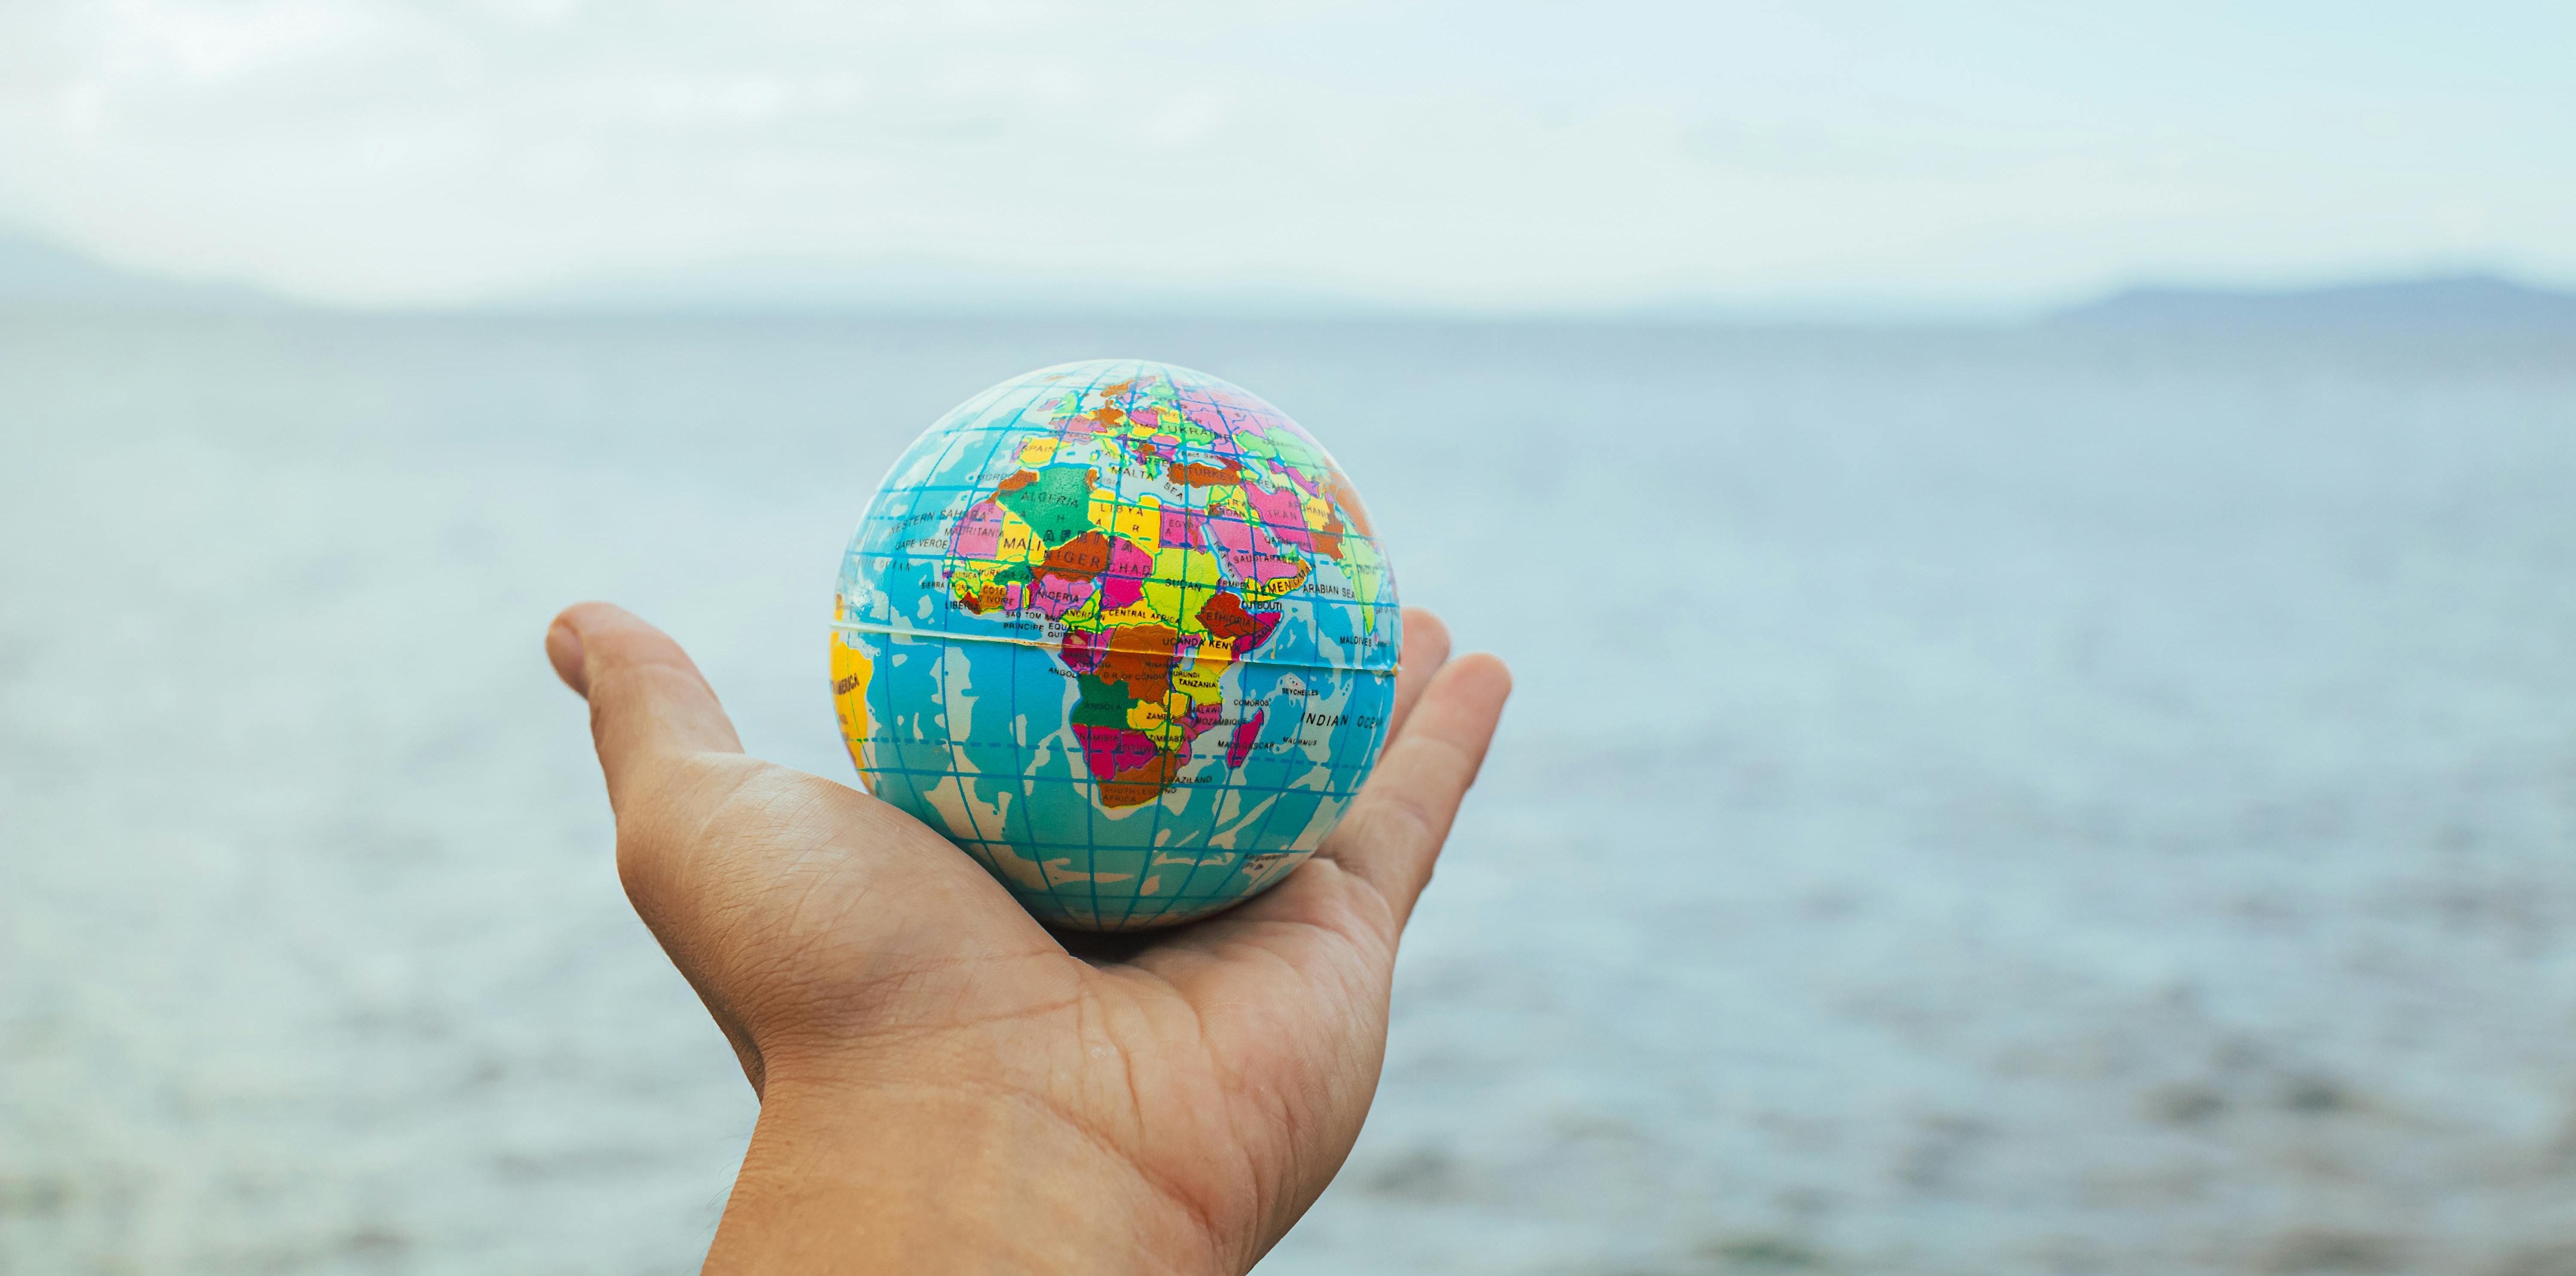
1977 802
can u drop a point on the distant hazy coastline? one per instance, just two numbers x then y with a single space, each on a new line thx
38 274
2442 301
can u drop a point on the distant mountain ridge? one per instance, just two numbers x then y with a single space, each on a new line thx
2448 301
34 273
910 285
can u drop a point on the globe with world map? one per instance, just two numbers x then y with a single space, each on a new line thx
1123 632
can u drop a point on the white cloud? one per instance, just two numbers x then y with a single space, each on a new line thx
1494 154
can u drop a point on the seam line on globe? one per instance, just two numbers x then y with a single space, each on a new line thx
1387 671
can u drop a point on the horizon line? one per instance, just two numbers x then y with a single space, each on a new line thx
67 278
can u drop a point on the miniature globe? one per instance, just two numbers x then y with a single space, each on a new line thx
1123 633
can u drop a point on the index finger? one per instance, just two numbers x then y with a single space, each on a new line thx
1425 649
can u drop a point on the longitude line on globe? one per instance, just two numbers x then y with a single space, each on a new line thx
899 749
999 432
1117 502
1279 796
956 747
1090 809
1198 859
985 430
1015 723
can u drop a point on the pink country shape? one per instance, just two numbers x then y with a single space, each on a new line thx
1055 595
1233 539
1284 512
1119 591
1250 551
1245 733
1081 651
1207 417
979 534
1111 750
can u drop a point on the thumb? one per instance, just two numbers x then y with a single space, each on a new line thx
648 702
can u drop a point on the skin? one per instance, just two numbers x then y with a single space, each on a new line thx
946 1085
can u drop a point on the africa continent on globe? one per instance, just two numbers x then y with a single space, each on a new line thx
1122 632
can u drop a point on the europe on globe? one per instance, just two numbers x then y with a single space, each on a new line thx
1123 632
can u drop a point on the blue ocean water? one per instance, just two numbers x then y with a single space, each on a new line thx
1998 801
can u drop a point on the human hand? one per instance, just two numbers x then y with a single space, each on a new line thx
945 1085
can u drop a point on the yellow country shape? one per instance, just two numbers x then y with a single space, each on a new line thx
1142 523
1198 683
1187 567
851 670
1139 612
1282 585
1020 542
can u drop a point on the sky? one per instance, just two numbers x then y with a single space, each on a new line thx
1824 156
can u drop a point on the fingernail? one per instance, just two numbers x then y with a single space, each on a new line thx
563 648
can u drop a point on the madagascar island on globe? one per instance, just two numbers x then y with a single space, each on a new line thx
1122 632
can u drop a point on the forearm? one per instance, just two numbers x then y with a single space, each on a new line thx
839 1180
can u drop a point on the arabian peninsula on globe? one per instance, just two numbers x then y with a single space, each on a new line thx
1123 633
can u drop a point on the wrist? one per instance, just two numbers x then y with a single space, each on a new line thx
912 1178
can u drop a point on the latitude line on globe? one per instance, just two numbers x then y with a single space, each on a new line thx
864 627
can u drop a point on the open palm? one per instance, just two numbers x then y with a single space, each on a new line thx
946 1083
